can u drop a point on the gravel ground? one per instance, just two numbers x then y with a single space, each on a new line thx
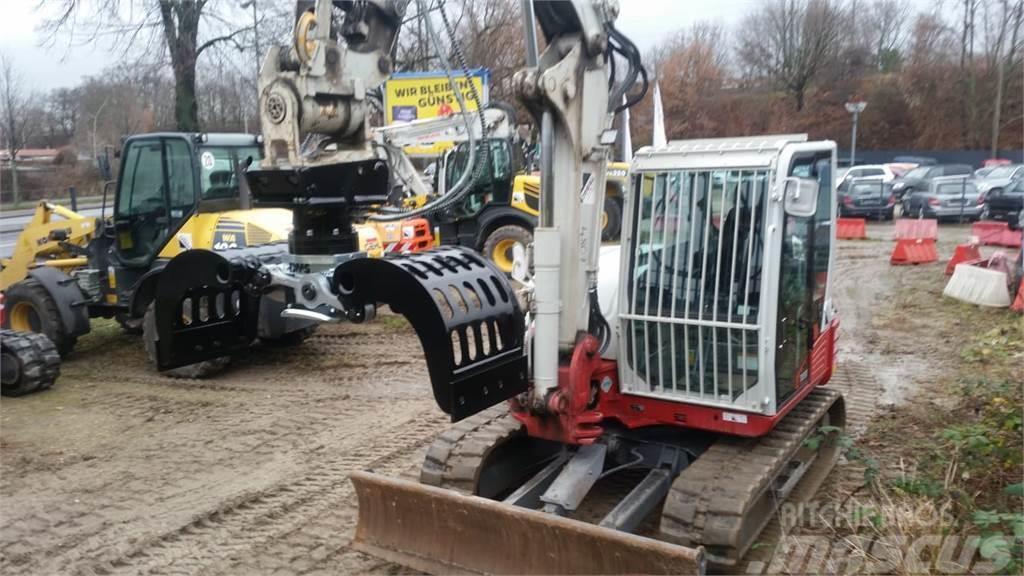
121 471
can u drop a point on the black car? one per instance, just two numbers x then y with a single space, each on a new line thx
867 197
1006 204
919 178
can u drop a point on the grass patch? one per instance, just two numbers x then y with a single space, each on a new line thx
393 321
951 461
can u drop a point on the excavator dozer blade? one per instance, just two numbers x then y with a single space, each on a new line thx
443 532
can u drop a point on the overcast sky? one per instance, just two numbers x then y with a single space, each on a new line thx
644 21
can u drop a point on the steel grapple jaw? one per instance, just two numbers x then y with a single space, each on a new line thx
206 303
465 314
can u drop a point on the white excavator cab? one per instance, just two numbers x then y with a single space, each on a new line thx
724 272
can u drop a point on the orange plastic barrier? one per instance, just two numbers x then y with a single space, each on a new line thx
1018 303
991 233
851 229
963 253
913 251
908 229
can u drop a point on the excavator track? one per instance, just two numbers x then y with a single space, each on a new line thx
456 458
724 499
714 512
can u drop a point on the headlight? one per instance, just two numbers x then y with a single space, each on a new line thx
899 185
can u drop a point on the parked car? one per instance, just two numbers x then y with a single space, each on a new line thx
869 170
1007 204
900 169
867 197
982 172
919 179
999 177
947 197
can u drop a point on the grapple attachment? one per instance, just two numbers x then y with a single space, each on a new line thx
443 532
465 314
204 305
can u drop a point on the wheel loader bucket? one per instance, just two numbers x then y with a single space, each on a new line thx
465 314
443 532
204 307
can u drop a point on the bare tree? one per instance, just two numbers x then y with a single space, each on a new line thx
790 42
968 79
491 36
16 113
1006 56
188 28
885 30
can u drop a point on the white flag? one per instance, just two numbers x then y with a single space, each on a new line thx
659 119
627 138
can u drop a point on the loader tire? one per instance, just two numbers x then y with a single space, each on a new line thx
30 363
199 370
291 338
499 244
31 308
611 220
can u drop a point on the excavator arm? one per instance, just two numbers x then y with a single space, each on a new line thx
463 316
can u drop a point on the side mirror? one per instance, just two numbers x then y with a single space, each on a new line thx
800 196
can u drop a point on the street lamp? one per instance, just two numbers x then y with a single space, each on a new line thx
256 47
854 108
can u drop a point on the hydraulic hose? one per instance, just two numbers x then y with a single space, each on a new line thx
473 169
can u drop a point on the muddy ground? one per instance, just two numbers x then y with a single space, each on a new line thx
120 471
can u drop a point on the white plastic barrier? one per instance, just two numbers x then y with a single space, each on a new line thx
978 285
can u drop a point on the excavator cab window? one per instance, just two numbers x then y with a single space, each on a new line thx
803 279
155 193
694 285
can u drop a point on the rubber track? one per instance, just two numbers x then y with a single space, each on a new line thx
454 460
712 495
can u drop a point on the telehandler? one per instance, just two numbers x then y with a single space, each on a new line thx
175 192
688 361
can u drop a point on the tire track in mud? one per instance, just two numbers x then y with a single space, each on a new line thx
236 528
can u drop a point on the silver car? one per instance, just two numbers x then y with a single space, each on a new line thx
999 177
948 197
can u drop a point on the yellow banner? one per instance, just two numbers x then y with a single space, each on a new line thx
422 95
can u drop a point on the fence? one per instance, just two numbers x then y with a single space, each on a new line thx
973 157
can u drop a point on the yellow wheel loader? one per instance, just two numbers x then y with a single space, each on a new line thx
175 192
